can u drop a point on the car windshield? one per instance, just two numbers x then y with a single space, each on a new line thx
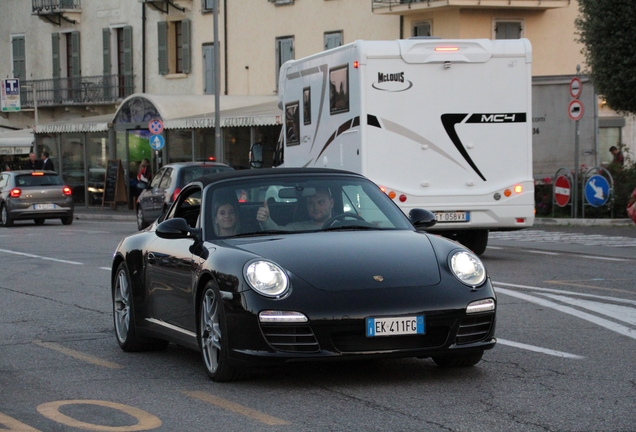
273 204
38 180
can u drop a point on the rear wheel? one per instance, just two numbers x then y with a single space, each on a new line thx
458 360
141 223
67 220
39 221
5 219
475 240
124 315
212 335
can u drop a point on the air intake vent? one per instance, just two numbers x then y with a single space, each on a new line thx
291 338
474 329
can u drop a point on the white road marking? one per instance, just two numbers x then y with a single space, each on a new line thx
557 291
625 314
542 252
105 268
40 257
618 328
602 258
538 349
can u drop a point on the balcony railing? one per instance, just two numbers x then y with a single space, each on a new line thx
47 6
88 90
401 6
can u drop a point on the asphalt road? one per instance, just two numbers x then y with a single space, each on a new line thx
564 361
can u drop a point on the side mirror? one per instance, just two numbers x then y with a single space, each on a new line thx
142 185
177 228
422 219
256 155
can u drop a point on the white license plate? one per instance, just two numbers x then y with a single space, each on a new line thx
395 326
452 216
44 206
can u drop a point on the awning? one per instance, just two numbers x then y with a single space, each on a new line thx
82 124
197 111
16 142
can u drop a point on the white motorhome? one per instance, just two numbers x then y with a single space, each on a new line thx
439 124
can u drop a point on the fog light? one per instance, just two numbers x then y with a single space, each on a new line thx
481 306
272 316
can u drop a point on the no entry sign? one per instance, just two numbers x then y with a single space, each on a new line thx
562 191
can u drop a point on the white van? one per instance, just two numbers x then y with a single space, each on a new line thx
439 124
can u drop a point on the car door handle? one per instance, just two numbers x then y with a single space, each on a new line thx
151 258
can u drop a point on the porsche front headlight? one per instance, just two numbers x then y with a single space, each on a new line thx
468 268
267 278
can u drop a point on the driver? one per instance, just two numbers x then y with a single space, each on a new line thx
319 207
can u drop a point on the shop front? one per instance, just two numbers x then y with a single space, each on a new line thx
15 147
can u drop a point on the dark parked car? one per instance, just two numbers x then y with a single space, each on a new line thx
165 186
358 281
36 195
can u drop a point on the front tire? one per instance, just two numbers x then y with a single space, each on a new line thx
458 360
5 219
124 316
212 335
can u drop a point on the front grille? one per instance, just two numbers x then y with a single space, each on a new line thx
473 329
291 338
358 342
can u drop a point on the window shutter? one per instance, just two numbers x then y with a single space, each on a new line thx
333 40
128 60
185 28
76 71
162 45
106 51
55 49
19 58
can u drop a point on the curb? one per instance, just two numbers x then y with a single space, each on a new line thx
583 222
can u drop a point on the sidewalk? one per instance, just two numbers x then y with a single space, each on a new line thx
123 213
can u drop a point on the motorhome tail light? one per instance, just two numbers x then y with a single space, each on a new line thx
521 220
67 190
402 198
15 193
446 49
392 194
507 192
518 189
211 158
37 173
356 64
175 194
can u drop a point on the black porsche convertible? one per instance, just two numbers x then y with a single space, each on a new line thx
263 267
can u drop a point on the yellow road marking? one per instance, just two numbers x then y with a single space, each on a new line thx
78 355
14 425
147 421
236 408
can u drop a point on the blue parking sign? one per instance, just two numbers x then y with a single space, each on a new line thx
597 190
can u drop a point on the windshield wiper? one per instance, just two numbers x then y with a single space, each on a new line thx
259 233
352 228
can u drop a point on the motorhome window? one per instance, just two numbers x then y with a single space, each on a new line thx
307 105
339 90
292 123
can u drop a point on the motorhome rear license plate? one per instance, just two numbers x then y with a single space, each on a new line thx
395 326
44 206
459 216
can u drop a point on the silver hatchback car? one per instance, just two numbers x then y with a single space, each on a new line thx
36 195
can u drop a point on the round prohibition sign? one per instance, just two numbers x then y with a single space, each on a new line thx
155 126
146 421
576 88
562 191
576 110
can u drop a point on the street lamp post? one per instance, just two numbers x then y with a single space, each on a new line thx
217 84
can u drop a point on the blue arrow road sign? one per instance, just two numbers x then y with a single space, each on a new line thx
157 142
597 190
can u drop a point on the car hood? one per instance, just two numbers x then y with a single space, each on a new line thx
336 261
